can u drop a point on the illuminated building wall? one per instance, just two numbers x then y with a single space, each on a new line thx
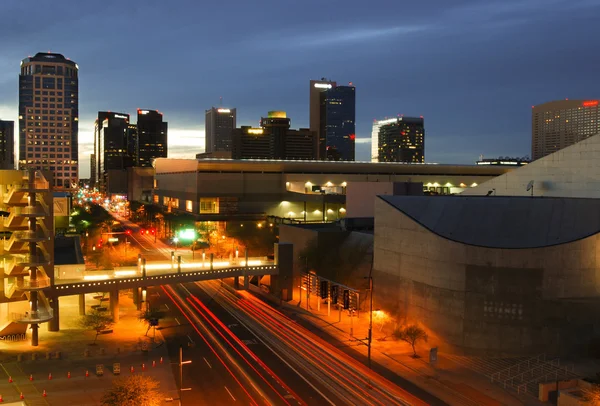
111 144
337 128
48 116
7 144
402 140
152 137
558 124
219 124
375 137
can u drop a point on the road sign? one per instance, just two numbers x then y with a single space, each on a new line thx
99 369
116 368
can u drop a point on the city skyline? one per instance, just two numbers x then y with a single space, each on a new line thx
467 78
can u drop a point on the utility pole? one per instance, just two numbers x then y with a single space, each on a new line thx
181 364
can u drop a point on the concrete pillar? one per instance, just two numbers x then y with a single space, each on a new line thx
282 284
246 276
236 282
114 305
54 324
137 298
212 257
82 304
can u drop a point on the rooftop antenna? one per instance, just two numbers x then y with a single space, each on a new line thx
220 101
530 187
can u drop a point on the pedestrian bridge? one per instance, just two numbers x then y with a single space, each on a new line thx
160 273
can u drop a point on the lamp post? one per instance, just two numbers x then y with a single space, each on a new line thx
181 364
370 333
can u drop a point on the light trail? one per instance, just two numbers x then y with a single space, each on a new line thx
252 401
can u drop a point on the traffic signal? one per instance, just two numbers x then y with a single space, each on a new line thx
152 230
323 290
346 299
334 294
128 232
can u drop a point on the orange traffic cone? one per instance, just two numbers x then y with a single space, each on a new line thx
87 373
44 394
161 360
31 377
143 367
131 369
69 374
50 376
10 379
153 364
21 397
1 400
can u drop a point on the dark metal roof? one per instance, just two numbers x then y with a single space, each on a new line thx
503 222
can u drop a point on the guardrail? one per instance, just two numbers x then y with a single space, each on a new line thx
29 284
38 316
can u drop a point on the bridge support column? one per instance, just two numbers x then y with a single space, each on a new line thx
282 285
82 304
114 305
212 257
179 264
246 276
53 324
137 298
236 282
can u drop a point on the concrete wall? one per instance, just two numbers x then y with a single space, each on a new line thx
484 299
570 172
360 196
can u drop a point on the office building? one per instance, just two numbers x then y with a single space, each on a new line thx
7 144
93 179
402 140
132 143
337 127
152 137
274 140
48 117
375 137
558 124
316 88
218 125
111 146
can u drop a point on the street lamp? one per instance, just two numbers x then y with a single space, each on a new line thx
176 241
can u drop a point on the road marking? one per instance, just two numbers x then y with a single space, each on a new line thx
208 363
227 389
167 306
178 323
190 338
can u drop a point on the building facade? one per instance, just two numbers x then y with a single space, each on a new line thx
301 191
111 145
316 88
402 140
7 144
48 117
273 140
375 137
219 124
337 128
151 137
558 124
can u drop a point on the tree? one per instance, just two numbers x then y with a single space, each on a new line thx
151 317
97 321
592 395
135 390
411 334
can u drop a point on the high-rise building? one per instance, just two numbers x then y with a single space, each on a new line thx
337 130
48 117
316 88
274 140
7 144
111 145
152 137
93 169
375 137
218 125
558 124
402 140
132 143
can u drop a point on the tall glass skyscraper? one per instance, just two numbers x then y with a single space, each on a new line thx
7 144
337 123
48 117
218 126
151 137
402 140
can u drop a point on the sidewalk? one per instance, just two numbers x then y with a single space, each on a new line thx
448 381
123 346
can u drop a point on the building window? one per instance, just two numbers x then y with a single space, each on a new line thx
188 205
155 199
209 205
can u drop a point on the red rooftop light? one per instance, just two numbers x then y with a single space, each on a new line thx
590 103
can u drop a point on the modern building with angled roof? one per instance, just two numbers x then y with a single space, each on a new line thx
516 275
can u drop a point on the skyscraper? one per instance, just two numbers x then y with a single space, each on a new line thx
337 128
111 144
316 88
375 137
402 140
558 124
218 125
152 137
48 116
7 144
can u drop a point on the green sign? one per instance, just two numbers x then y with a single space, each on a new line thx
189 234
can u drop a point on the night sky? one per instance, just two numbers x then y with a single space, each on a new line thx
473 69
